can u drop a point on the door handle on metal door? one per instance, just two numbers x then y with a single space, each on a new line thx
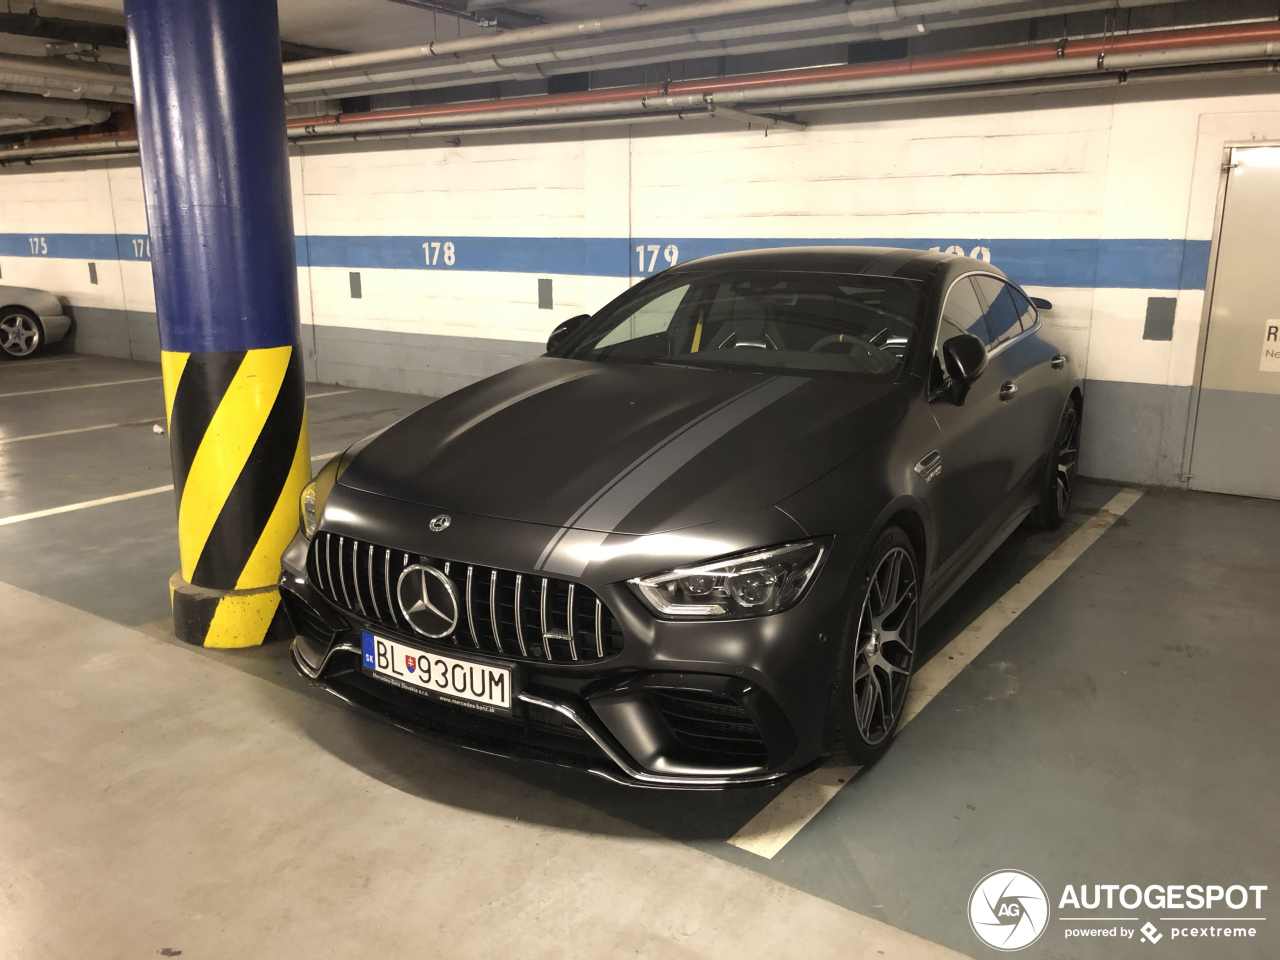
1058 361
1008 389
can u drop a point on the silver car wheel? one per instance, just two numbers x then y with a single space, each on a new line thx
886 646
19 334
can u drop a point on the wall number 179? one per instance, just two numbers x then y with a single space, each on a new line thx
649 253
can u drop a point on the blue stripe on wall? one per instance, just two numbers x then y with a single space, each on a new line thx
1129 263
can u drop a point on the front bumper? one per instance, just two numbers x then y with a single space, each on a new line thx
55 327
600 754
614 717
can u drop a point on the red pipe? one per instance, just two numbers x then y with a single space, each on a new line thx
1163 40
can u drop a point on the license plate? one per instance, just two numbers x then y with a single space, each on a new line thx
477 684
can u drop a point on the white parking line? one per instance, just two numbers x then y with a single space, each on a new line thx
786 814
331 393
78 386
100 426
40 363
86 504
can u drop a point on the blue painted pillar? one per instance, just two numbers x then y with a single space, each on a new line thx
209 99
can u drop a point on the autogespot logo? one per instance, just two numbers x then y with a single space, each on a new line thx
1008 910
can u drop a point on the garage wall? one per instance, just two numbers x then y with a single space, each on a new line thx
1098 207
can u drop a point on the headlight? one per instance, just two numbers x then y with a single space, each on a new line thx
749 585
307 512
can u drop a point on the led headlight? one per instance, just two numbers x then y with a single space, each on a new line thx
748 585
308 515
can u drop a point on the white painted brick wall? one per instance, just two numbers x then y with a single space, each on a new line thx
1140 170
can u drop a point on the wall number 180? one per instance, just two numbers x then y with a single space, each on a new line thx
433 250
670 253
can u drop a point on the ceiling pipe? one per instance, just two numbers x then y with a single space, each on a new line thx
412 69
47 108
790 90
1251 41
547 33
59 78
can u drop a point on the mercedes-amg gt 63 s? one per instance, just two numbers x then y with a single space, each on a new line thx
693 544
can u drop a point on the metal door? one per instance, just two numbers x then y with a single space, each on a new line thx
1236 443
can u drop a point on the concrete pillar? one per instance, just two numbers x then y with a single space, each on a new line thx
210 110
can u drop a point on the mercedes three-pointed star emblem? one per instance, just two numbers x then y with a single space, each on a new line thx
428 600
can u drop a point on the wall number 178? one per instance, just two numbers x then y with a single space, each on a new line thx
434 249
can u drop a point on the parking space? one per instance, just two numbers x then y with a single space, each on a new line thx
1093 738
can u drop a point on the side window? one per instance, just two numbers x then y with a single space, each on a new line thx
961 313
654 317
1026 310
1002 315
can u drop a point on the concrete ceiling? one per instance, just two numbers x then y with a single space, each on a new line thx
359 25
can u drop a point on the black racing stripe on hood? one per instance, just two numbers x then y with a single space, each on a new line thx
600 516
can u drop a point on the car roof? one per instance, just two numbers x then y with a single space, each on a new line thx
905 262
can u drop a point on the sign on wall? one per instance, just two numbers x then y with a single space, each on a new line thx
1271 347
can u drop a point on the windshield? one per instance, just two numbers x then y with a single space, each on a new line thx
818 322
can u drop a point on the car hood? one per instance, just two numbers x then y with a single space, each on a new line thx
623 448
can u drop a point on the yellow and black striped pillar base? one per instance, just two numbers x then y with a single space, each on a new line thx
241 456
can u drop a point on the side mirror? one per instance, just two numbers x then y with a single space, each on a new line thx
966 358
1041 303
561 333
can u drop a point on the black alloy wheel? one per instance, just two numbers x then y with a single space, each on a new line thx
879 654
1060 475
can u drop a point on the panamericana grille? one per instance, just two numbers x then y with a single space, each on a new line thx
712 724
521 616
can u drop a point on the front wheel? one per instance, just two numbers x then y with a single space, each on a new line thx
1059 481
878 652
20 333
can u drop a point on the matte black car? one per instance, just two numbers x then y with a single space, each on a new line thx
693 544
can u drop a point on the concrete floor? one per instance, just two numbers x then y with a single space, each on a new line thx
158 797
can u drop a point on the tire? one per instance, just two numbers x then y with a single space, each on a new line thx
1058 484
877 652
21 333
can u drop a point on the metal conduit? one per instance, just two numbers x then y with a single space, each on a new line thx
547 33
797 89
412 69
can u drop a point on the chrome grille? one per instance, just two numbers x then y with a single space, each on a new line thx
517 615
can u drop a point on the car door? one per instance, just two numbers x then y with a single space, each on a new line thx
971 468
1031 387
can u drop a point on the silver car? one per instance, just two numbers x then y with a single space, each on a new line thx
30 319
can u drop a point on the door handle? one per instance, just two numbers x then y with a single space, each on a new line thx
1058 361
1008 389
930 465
